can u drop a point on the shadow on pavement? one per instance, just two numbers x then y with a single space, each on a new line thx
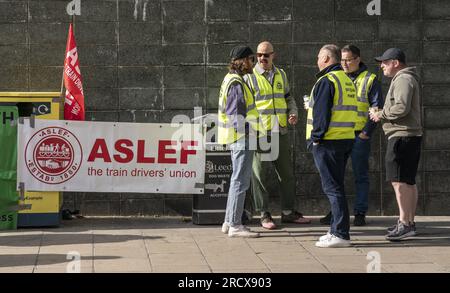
67 239
18 260
428 234
104 223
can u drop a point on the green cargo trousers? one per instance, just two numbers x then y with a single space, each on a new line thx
285 173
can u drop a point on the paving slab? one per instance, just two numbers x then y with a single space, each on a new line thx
170 244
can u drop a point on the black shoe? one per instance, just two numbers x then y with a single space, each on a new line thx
360 220
67 215
326 220
294 217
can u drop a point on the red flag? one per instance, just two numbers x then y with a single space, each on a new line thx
74 103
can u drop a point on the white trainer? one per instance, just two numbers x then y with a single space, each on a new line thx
328 235
241 231
225 227
332 241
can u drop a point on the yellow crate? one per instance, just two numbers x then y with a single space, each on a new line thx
49 105
42 202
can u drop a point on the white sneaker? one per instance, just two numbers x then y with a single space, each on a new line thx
225 227
328 235
332 241
241 231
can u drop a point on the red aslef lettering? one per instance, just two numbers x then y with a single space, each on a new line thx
121 146
99 151
141 158
163 151
185 151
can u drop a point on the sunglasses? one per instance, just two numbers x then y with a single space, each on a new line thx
266 55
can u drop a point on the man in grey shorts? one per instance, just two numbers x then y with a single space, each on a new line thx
403 126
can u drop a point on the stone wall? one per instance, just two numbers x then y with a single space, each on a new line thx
147 60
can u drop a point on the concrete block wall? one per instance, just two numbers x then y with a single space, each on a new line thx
147 60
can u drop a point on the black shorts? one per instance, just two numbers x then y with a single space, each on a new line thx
402 159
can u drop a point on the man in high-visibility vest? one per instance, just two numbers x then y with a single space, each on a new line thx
237 118
330 132
277 109
369 95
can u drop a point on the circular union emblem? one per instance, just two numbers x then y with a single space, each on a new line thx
53 155
279 86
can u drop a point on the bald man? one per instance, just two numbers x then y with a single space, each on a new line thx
277 109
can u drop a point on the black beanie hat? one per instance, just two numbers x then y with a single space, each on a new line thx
240 52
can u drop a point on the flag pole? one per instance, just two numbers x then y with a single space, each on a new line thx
62 95
62 77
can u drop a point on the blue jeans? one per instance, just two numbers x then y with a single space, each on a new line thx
360 166
242 160
330 157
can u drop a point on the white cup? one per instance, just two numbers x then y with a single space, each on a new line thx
306 102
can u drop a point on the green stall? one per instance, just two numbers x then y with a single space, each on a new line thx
9 197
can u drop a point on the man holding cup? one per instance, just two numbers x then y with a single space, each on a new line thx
402 124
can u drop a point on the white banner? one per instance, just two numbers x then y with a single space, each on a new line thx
57 155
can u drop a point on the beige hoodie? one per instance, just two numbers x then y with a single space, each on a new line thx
401 114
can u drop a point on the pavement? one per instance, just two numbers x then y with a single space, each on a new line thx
110 245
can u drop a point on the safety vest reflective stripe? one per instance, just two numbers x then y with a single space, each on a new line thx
268 97
336 124
362 96
342 124
230 81
254 84
345 108
283 76
273 111
340 101
362 114
363 84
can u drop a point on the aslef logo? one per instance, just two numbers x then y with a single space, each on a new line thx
53 155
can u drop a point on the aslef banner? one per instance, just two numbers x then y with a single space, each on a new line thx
57 155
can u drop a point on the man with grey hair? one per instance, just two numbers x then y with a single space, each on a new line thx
330 132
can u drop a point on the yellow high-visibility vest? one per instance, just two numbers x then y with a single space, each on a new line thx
344 111
227 132
363 84
270 99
